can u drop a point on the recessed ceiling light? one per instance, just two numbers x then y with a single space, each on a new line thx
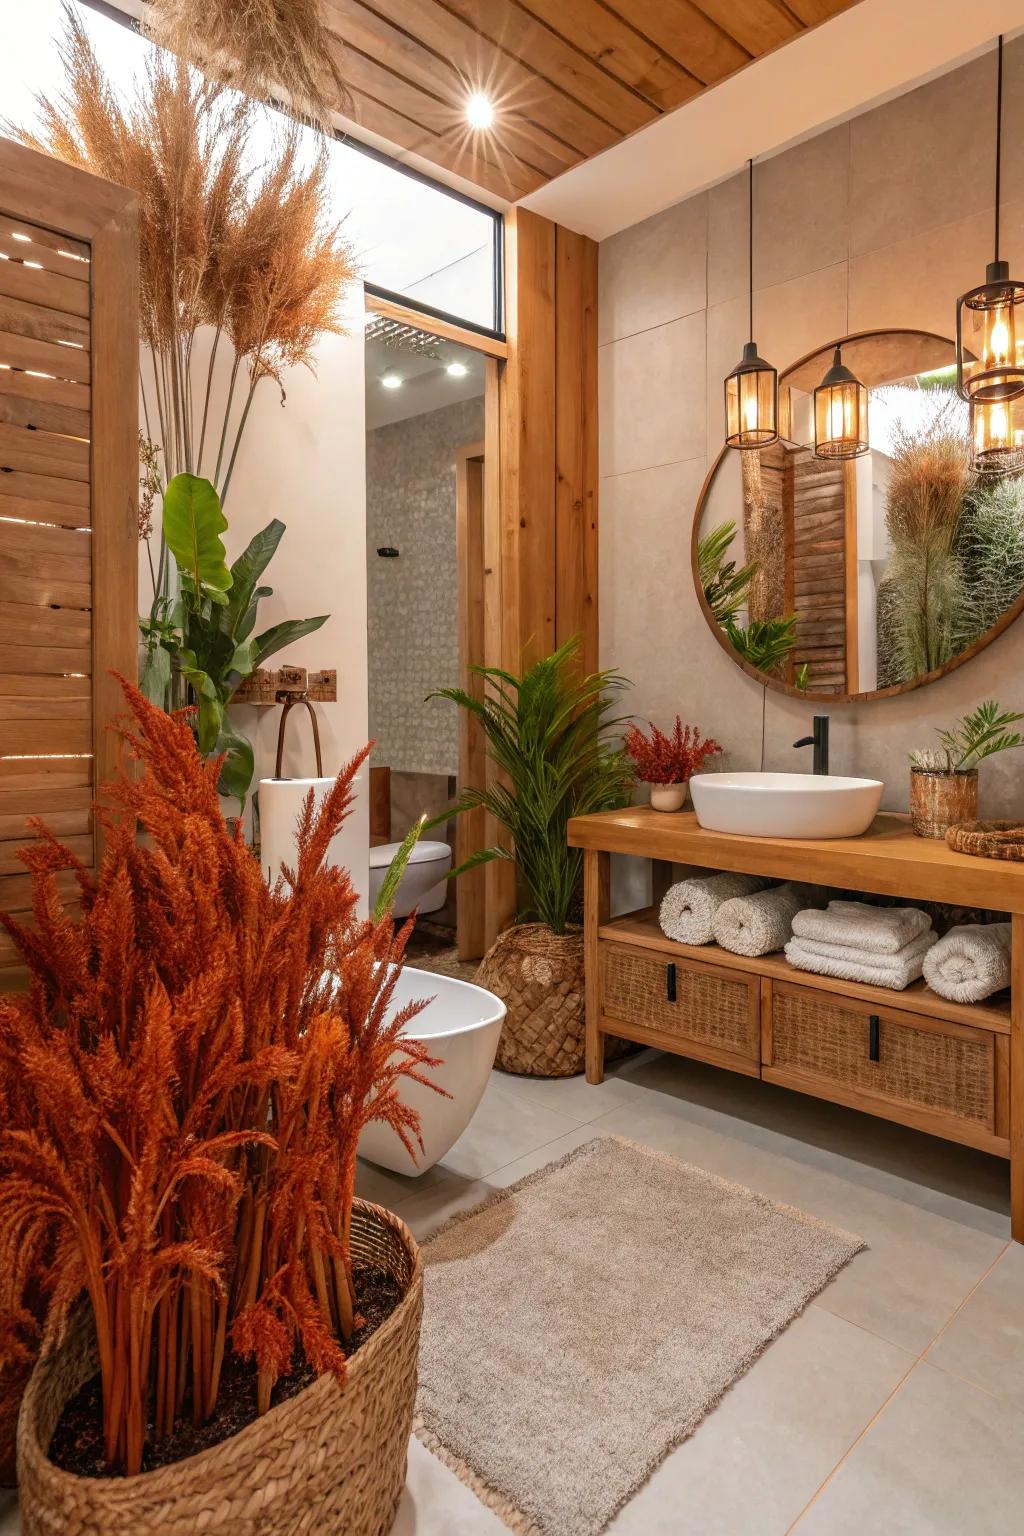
457 370
392 380
479 111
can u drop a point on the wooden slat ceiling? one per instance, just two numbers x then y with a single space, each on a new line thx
568 77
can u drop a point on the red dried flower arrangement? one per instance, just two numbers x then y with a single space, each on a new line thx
661 759
182 1091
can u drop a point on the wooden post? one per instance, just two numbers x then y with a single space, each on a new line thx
596 910
1017 1078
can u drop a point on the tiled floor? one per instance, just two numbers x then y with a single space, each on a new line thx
895 1404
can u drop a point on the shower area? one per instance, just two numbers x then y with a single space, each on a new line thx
424 446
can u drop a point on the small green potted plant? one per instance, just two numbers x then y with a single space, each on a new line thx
944 779
549 733
667 763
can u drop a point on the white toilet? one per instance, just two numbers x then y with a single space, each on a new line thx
425 882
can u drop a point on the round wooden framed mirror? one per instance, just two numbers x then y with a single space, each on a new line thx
859 578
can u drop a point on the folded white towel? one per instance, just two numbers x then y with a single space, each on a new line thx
762 922
875 930
970 962
919 946
688 908
893 971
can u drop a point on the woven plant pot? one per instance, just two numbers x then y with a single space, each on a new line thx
539 977
331 1459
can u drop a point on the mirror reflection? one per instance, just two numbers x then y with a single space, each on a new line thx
849 577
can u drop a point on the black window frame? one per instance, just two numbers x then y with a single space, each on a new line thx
495 331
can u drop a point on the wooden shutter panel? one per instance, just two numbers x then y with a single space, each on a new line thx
68 499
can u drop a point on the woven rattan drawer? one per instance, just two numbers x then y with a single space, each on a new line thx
683 1005
942 1074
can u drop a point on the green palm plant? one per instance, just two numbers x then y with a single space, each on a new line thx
549 734
726 586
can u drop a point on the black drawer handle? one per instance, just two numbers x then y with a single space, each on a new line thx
874 1040
670 981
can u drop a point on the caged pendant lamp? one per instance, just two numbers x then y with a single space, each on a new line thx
752 388
990 346
840 413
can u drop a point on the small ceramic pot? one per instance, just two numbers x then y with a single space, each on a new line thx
939 801
668 797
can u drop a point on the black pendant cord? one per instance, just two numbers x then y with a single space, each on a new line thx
999 131
750 240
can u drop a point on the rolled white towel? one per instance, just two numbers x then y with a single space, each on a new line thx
970 962
893 971
762 922
863 926
688 908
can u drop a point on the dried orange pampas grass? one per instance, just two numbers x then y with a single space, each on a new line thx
182 1092
262 47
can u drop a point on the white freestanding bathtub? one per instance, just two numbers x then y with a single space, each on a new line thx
460 1025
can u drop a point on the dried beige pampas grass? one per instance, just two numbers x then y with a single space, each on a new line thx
266 48
256 258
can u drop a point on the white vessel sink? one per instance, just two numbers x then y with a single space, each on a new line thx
785 804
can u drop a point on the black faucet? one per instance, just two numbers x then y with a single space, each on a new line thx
819 741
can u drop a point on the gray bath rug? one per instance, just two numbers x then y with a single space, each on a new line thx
580 1324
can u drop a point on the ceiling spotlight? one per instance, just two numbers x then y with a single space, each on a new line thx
479 111
391 380
456 370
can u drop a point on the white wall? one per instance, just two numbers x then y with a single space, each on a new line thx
880 222
305 463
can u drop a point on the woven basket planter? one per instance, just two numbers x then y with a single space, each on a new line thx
539 977
330 1459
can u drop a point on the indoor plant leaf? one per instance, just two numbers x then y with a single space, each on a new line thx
239 763
246 572
280 635
193 523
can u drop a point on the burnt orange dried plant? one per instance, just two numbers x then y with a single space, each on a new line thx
182 1091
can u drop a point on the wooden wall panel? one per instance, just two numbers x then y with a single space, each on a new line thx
576 535
68 489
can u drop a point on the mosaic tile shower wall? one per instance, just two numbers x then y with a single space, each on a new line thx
412 603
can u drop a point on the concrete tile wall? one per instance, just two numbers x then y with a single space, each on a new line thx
879 222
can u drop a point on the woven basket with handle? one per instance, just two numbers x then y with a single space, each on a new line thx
329 1460
539 977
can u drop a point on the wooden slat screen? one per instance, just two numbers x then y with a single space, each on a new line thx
68 479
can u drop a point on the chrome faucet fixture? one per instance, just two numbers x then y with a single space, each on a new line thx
819 741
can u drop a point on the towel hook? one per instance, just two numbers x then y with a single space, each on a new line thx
289 699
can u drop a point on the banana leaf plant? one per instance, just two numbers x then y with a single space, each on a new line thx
199 646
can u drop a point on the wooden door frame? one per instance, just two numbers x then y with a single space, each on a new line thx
539 543
482 904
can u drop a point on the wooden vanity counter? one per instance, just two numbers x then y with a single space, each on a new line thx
951 1069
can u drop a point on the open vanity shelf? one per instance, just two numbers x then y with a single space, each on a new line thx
951 1069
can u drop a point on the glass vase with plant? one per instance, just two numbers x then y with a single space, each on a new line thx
668 762
944 779
183 1089
553 745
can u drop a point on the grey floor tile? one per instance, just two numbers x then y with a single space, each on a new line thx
942 1459
574 1096
390 1189
756 1460
504 1127
435 1503
985 1341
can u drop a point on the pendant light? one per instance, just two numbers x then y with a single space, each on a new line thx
840 413
997 436
990 329
752 388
